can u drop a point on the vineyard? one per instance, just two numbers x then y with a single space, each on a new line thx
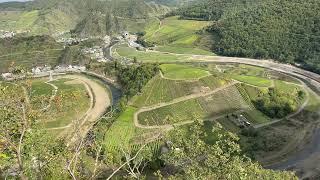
222 102
160 90
30 59
121 132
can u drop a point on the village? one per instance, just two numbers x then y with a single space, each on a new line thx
43 71
99 53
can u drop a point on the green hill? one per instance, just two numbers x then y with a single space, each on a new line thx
288 31
29 51
85 17
123 15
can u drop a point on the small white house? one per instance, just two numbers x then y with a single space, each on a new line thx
36 70
7 75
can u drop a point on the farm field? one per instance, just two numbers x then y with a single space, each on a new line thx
59 109
222 102
160 90
36 22
182 72
124 134
253 80
121 132
70 103
176 32
15 20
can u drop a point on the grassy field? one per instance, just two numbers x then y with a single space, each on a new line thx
182 72
285 86
253 80
70 103
175 31
39 88
159 90
121 132
222 102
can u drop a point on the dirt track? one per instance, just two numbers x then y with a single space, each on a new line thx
99 102
181 99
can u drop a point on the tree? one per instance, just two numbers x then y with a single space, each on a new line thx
191 157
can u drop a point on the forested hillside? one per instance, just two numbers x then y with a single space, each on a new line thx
288 31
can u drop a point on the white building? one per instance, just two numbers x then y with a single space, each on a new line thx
7 75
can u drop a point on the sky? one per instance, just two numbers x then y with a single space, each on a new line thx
10 0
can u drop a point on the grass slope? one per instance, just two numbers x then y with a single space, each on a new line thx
175 31
253 80
182 72
71 103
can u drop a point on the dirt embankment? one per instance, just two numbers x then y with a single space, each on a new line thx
100 100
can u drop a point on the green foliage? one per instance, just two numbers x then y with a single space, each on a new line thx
190 157
133 78
287 31
277 104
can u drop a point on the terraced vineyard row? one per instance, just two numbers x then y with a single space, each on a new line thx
226 101
49 57
160 90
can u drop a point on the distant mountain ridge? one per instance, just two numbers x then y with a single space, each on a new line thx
57 16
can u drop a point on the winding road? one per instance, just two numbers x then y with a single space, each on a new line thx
306 160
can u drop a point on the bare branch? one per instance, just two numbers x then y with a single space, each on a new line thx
128 161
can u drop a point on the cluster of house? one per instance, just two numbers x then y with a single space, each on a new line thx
131 38
44 70
10 34
6 34
96 53
40 71
71 41
69 68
